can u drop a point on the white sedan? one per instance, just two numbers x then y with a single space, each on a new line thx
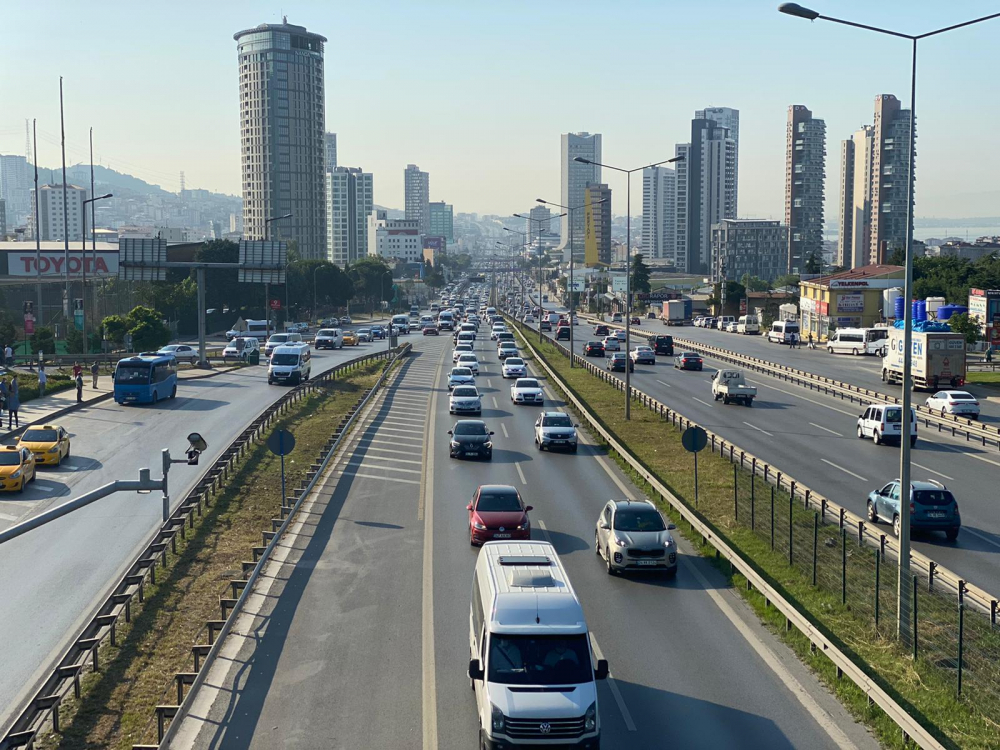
470 360
612 344
460 376
465 399
526 391
460 350
514 367
956 403
181 352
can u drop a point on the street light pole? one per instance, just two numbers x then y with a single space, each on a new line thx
83 263
267 284
904 590
541 306
628 261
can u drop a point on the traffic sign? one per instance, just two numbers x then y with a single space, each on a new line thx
276 304
694 439
282 442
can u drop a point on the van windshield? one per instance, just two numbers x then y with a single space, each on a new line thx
539 660
286 360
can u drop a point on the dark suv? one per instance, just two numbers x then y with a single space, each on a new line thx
932 508
663 345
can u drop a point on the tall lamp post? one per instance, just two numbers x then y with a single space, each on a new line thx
267 285
628 260
904 603
541 306
521 275
83 264
572 255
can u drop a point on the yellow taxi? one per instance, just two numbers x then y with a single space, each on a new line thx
49 443
351 338
17 468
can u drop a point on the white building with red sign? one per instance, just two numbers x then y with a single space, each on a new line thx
20 259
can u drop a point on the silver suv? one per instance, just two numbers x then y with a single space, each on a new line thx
555 429
631 535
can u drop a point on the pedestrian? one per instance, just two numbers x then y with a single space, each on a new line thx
95 370
77 369
812 344
4 393
13 403
989 354
42 380
8 356
79 387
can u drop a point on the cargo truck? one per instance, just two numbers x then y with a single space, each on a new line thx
674 312
937 361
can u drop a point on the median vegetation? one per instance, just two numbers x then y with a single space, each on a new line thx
824 571
117 705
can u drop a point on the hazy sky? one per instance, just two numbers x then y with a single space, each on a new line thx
477 93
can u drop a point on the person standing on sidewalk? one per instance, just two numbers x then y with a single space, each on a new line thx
95 370
13 403
4 393
8 356
79 387
42 380
77 369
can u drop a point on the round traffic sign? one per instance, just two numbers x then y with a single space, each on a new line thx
694 439
281 442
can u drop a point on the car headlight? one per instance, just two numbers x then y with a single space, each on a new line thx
620 542
16 474
454 444
478 526
669 543
498 719
54 450
489 443
590 718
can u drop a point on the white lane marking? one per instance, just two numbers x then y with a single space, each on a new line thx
970 455
666 384
967 530
8 517
755 427
398 441
799 395
387 450
520 473
352 473
629 724
846 471
404 422
382 428
544 530
700 401
504 428
382 464
394 409
932 471
826 429
495 404
825 721
428 674
489 382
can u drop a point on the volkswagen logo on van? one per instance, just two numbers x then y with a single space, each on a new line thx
545 727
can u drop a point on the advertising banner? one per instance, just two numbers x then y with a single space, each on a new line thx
53 263
848 303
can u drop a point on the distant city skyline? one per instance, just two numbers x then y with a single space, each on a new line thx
192 123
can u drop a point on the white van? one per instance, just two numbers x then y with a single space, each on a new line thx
530 658
290 363
882 423
446 320
782 330
847 341
723 321
281 339
748 324
402 322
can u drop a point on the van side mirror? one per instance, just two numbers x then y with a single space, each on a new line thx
601 673
528 507
604 525
671 526
491 432
476 669
469 506
451 432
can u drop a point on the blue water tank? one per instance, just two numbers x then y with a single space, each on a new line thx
945 311
921 312
898 308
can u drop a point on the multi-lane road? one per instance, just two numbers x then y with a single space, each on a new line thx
813 438
53 578
358 633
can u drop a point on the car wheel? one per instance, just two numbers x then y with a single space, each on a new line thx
173 393
489 456
872 515
854 352
861 433
573 448
951 534
895 525
156 397
913 441
877 438
607 557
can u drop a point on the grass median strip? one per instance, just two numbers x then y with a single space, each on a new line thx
116 709
842 600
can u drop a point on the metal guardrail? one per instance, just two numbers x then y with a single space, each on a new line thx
66 673
793 617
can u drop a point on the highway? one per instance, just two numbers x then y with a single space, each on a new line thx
55 576
359 636
812 437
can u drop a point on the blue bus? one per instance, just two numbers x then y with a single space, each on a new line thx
145 379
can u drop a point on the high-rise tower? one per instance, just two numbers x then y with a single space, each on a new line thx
417 186
805 175
574 178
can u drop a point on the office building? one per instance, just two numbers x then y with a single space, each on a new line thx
282 126
349 201
15 188
593 194
418 191
539 216
330 149
728 118
441 221
3 219
749 246
855 204
398 239
52 225
890 176
574 178
709 194
805 176
659 213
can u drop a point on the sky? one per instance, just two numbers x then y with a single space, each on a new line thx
478 93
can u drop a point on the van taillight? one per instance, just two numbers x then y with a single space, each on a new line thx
911 507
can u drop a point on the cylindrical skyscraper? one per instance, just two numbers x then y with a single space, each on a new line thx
282 126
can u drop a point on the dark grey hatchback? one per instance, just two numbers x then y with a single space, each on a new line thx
470 438
932 508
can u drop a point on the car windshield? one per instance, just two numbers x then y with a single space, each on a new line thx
932 497
539 659
465 392
171 348
689 355
10 458
499 501
326 332
664 340
594 343
288 360
513 361
132 374
467 358
461 371
557 420
638 519
278 338
40 436
526 383
961 396
470 428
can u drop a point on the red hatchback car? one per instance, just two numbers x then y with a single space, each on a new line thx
497 512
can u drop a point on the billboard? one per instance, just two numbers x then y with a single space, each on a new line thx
618 282
578 285
590 255
851 303
53 263
142 259
262 261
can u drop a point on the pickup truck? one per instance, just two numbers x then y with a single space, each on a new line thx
730 386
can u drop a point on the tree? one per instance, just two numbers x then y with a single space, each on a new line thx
147 329
814 264
754 283
372 279
967 326
639 282
8 333
790 279
74 341
43 340
115 328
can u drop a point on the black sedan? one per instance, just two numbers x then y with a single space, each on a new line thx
594 349
470 438
618 361
688 361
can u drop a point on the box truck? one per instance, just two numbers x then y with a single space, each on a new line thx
937 359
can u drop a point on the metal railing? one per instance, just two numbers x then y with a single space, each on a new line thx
117 604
